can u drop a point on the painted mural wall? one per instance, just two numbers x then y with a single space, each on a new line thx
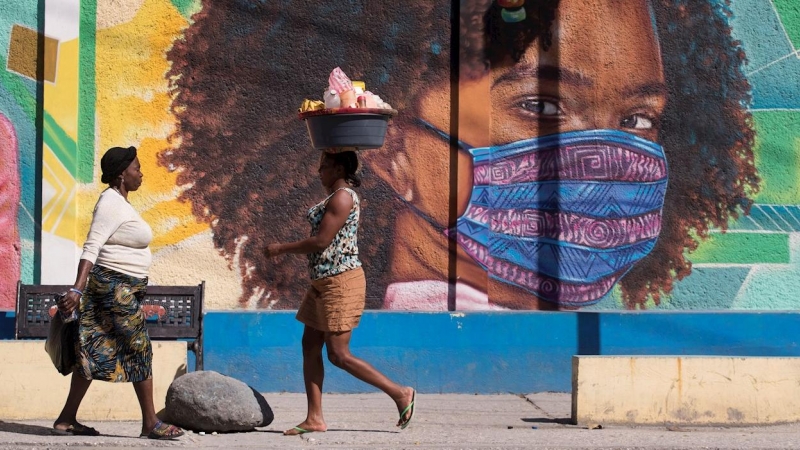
572 154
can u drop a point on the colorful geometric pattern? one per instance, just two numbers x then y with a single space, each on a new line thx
569 234
571 162
547 288
756 263
567 227
769 31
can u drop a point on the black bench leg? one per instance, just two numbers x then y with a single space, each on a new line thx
197 348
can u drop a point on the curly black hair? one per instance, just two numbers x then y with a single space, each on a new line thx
242 66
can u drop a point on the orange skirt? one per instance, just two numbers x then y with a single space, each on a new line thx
334 303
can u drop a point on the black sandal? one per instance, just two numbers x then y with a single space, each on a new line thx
76 430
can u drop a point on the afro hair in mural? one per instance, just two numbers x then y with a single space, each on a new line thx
245 162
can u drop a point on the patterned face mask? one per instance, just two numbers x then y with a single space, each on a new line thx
563 216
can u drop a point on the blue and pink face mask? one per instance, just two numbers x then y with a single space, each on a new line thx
564 216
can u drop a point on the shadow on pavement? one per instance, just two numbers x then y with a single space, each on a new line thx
38 430
363 431
330 430
20 428
561 421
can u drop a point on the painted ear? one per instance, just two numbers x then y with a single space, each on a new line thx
392 165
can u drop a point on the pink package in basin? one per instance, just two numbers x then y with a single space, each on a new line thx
339 82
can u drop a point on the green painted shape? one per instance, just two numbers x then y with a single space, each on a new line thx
63 146
11 82
54 136
777 156
789 13
743 248
87 90
707 288
187 7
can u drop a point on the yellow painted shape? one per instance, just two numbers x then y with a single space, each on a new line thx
195 260
133 109
31 388
693 390
58 214
61 102
61 98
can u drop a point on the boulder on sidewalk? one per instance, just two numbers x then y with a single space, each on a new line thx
209 401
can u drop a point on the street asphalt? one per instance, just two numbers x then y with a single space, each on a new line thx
449 421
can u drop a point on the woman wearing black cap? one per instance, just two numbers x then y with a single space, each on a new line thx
112 278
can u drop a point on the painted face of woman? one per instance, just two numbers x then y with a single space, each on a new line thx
567 196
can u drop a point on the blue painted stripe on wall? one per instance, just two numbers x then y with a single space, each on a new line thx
707 333
518 352
433 351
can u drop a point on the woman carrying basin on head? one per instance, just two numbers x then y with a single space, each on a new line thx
334 302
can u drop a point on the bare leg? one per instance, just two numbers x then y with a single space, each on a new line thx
77 390
144 392
313 375
339 354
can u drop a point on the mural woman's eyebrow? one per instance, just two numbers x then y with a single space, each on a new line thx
654 89
522 72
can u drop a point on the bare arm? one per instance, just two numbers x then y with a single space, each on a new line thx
333 220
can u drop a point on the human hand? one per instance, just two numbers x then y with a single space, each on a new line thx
69 302
272 250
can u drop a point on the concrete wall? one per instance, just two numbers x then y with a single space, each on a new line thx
208 92
685 390
31 388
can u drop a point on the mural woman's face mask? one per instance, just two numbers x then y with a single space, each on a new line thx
564 216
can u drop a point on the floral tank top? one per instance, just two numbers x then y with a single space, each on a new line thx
342 253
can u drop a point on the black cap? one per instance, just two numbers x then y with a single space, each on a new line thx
115 161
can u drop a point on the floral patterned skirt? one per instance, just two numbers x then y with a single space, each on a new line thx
113 341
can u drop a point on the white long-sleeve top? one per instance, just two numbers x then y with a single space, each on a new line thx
118 238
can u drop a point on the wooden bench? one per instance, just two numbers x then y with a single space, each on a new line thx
172 312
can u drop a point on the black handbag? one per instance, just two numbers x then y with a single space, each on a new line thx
61 343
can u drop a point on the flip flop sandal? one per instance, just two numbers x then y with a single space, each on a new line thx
72 430
410 407
299 431
163 431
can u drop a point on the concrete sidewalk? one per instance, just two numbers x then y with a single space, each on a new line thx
366 421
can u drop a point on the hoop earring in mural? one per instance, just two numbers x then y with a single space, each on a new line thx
563 216
512 11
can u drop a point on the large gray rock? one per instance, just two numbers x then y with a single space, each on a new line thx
209 401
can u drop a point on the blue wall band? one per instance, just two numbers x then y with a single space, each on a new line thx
480 352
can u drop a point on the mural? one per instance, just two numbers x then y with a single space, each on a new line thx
39 104
18 38
603 154
9 200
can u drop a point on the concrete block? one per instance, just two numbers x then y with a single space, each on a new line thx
31 388
693 390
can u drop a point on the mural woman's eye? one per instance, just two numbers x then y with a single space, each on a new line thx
540 107
638 122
